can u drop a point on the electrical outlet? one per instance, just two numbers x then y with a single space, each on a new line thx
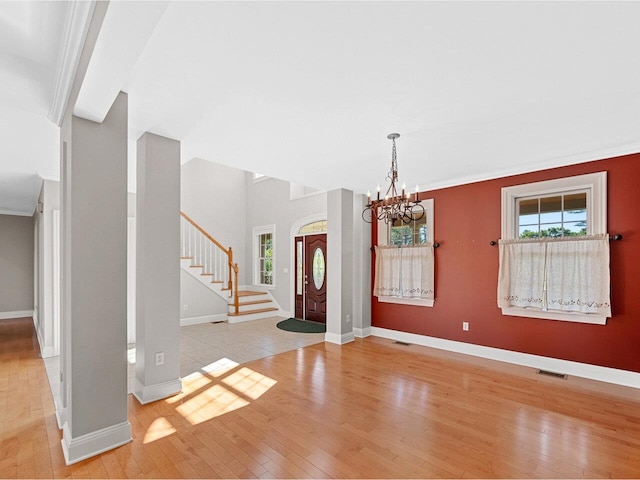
159 358
465 326
348 318
185 307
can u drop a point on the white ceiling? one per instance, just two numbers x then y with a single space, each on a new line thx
308 91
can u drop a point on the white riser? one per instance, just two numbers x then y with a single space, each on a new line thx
217 288
248 308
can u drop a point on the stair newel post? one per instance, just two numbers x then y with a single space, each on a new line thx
230 283
236 302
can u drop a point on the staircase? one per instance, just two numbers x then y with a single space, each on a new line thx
205 259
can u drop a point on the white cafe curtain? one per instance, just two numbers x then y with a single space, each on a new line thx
404 272
567 274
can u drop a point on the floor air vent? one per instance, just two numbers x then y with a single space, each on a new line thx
402 343
552 374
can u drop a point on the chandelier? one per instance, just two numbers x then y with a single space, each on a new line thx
394 207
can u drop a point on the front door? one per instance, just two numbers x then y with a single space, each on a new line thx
311 278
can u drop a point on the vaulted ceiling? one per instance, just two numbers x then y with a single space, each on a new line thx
308 91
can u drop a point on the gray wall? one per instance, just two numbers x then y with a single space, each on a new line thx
199 300
228 204
16 263
213 195
269 203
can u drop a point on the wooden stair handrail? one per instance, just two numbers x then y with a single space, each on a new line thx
203 231
233 267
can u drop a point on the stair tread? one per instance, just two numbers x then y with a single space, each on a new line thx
196 266
219 281
186 258
249 312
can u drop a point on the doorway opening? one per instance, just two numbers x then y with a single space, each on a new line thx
310 284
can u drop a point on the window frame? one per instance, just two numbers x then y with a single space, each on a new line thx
595 184
383 240
257 233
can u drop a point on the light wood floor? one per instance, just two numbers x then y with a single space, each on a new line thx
367 409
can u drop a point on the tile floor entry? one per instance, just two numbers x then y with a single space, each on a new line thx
207 345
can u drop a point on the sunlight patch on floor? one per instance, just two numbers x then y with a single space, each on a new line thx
249 382
218 389
160 428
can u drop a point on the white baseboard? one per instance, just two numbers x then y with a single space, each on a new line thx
85 446
584 370
151 393
362 332
17 314
61 412
219 317
45 351
339 339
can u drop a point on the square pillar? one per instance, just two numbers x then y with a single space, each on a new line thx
157 269
94 284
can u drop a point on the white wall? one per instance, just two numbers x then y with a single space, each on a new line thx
268 203
202 305
213 195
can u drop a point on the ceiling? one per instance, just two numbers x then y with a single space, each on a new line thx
308 91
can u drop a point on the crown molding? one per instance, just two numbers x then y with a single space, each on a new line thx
76 26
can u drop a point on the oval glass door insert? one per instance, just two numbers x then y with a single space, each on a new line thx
318 268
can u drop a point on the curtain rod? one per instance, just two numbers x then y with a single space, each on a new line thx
617 236
435 245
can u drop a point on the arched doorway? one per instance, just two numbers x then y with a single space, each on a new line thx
310 275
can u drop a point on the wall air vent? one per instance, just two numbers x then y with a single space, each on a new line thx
402 343
552 374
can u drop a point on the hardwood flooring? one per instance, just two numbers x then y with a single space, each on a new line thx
369 409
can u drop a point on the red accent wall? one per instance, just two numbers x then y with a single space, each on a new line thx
467 218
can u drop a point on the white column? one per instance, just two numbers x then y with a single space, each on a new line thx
94 284
157 269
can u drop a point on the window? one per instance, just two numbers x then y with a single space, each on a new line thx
414 233
417 232
551 211
315 227
264 248
562 207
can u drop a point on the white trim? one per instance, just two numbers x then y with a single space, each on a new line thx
420 302
596 186
383 228
259 177
257 231
295 232
339 339
362 332
61 412
566 316
91 444
383 236
55 283
218 317
17 314
78 19
593 372
594 183
151 393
